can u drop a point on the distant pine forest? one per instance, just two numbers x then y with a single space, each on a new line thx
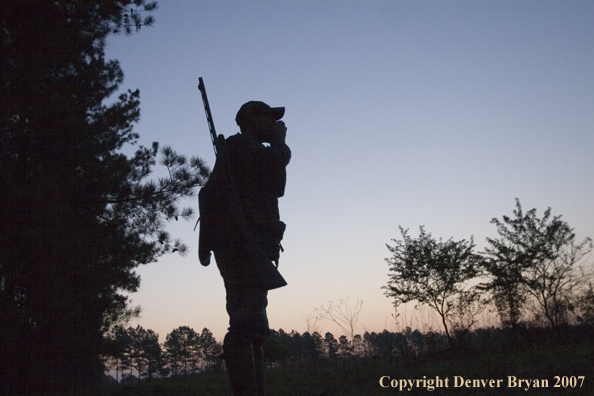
189 362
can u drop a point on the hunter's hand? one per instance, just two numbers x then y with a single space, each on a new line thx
280 132
204 258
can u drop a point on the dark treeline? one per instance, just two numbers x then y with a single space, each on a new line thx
138 355
408 346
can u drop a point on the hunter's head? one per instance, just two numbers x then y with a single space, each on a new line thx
258 119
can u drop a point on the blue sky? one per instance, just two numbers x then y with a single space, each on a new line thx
398 112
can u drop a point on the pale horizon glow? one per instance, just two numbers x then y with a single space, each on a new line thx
398 113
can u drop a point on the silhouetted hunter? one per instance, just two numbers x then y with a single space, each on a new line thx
240 223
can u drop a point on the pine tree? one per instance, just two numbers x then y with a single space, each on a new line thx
211 349
182 348
77 216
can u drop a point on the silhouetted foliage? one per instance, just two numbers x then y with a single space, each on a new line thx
538 258
134 350
309 355
386 346
275 351
211 349
119 351
148 357
585 306
435 273
183 352
408 354
331 346
76 215
137 353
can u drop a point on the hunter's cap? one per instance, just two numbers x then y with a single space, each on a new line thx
254 108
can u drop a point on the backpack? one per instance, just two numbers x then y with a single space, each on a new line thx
222 222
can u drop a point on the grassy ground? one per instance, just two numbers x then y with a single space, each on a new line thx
363 378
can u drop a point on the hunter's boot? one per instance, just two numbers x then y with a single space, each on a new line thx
259 365
239 360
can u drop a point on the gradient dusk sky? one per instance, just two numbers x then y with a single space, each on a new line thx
434 113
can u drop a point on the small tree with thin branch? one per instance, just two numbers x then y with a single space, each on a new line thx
538 260
343 314
433 273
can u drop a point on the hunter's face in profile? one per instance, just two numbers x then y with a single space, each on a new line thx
269 128
261 121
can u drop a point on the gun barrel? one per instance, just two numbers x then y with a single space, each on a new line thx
211 127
